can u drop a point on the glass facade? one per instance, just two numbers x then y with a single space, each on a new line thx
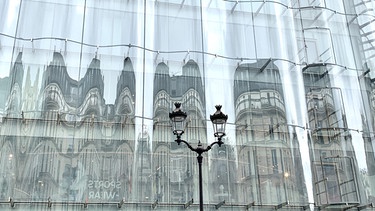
86 87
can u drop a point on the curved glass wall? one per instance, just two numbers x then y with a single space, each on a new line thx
86 88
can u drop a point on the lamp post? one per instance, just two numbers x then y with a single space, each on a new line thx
218 119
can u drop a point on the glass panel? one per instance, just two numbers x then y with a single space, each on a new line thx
8 27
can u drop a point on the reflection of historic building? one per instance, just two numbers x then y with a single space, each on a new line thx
265 150
142 185
81 122
13 106
8 169
223 174
30 92
368 121
4 91
173 164
71 145
331 149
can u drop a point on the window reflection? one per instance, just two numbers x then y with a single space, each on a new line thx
331 149
263 140
174 164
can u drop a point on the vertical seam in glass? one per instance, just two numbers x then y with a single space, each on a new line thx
202 44
14 45
303 33
82 37
143 92
254 36
351 41
144 60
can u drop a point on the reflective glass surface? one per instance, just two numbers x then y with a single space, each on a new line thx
86 88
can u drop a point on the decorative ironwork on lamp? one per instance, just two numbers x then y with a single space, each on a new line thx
178 122
219 121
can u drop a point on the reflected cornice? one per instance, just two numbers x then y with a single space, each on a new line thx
261 75
259 104
261 79
186 88
178 85
74 91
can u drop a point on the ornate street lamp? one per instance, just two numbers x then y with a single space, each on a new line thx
218 119
178 118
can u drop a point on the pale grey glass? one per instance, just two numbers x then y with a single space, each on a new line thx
33 51
174 34
86 88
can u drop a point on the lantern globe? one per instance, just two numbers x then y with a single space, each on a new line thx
219 121
178 120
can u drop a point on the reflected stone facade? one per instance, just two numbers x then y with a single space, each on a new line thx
173 163
368 175
86 88
60 149
266 169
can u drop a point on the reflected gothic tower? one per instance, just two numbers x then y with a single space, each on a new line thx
11 93
76 143
13 105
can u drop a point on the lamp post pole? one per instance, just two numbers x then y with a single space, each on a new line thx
218 119
200 158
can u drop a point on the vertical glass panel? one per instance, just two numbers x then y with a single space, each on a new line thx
223 174
361 29
276 34
260 123
9 15
33 125
58 30
319 43
231 27
62 20
174 35
367 174
107 109
174 163
5 71
333 154
326 36
10 12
